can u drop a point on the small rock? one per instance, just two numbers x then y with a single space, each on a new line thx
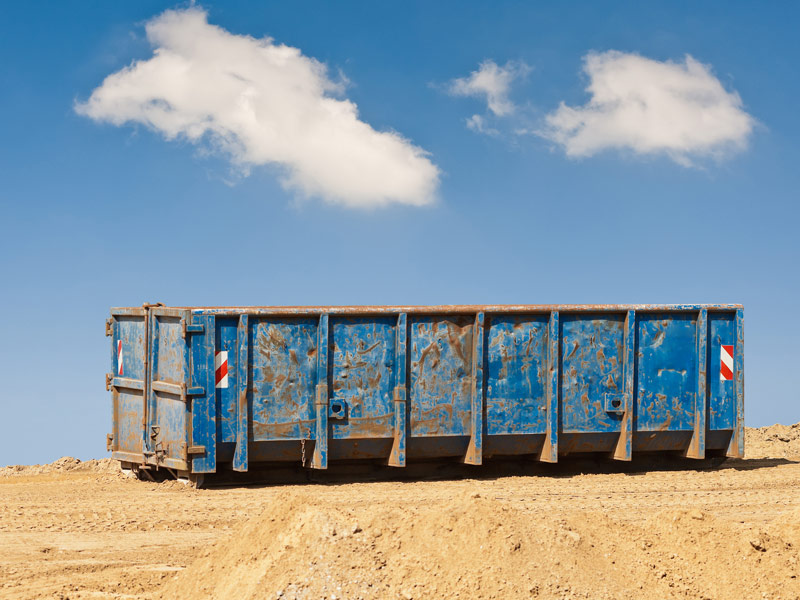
572 536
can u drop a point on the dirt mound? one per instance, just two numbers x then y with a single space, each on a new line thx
65 464
472 547
775 441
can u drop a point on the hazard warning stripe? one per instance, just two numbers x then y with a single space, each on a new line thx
726 363
119 358
221 369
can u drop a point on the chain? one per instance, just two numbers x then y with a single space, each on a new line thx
305 436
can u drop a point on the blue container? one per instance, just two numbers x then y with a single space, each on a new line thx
200 390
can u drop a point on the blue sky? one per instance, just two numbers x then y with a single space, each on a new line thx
98 215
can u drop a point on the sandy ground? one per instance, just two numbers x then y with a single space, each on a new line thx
583 530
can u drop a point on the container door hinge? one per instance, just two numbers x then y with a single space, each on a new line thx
109 441
109 327
196 450
109 381
187 328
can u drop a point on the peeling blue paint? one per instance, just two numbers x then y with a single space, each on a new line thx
610 378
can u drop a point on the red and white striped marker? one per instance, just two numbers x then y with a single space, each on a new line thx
726 363
221 368
119 358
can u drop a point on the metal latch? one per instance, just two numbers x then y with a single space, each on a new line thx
337 409
109 327
187 328
196 450
109 441
616 403
187 392
109 381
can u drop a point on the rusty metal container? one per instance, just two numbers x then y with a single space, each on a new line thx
199 390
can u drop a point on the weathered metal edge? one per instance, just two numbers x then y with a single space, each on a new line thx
446 309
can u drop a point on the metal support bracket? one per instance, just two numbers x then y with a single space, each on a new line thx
397 456
697 445
736 446
320 458
474 455
624 448
240 456
549 452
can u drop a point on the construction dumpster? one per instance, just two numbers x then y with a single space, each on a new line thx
206 389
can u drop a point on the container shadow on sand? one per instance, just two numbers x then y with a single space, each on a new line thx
490 470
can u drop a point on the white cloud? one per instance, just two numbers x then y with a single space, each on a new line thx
649 107
262 103
493 83
478 124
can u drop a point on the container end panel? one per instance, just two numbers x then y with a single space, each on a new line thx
130 404
170 356
170 427
130 350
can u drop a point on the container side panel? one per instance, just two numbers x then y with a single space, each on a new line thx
171 350
128 437
592 358
361 369
516 374
722 398
131 332
667 371
226 381
284 378
441 377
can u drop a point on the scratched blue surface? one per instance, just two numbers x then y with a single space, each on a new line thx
666 373
433 378
440 353
361 369
516 362
284 377
128 431
130 330
722 402
226 396
168 411
591 368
